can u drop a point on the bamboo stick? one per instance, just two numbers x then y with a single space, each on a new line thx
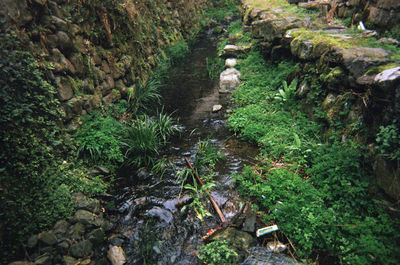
216 207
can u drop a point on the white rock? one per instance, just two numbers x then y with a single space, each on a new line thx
116 255
388 75
231 62
229 79
216 108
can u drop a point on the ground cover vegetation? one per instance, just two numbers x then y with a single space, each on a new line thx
42 165
309 180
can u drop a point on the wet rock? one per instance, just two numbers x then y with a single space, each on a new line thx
68 260
77 231
249 224
32 241
173 204
228 80
47 238
162 214
262 256
236 238
82 249
23 262
216 108
116 241
276 246
230 62
97 237
61 227
63 247
85 203
60 24
116 255
45 259
85 217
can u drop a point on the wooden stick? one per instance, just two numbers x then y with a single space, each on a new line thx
216 207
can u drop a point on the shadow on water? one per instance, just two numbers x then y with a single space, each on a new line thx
154 229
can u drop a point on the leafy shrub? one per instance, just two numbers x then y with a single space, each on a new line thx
388 140
218 252
177 52
99 139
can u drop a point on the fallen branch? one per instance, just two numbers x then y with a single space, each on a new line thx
216 207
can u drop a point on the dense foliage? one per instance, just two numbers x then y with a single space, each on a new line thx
218 252
31 183
315 188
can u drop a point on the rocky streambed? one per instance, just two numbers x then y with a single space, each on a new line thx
153 225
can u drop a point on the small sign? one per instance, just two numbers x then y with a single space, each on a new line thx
266 230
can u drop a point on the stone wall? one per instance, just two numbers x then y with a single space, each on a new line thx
380 14
96 49
359 78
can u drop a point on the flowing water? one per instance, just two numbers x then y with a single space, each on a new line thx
151 223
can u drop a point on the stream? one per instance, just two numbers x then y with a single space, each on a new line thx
152 228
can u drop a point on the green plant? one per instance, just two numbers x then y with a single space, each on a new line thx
214 67
31 197
144 138
197 195
288 92
143 96
218 252
99 139
388 141
207 156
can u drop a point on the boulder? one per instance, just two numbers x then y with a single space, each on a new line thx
162 214
85 217
61 63
379 16
303 89
228 80
83 202
387 175
116 255
64 41
45 259
61 227
48 238
358 60
388 4
302 49
64 88
232 51
97 236
82 249
60 24
238 239
68 260
22 262
263 256
77 231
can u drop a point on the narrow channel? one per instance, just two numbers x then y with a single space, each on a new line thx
154 228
